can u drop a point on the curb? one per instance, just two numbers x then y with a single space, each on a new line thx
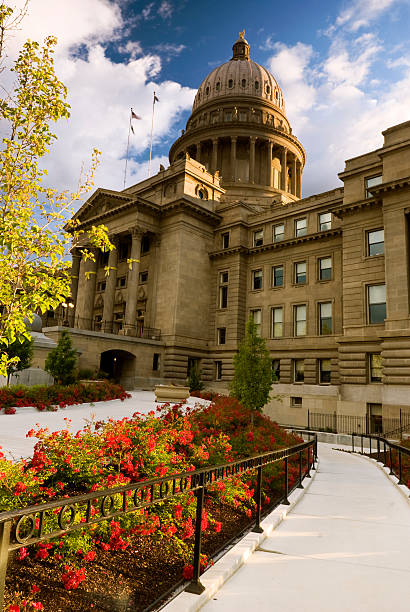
237 556
405 491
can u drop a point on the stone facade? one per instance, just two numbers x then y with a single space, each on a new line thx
223 232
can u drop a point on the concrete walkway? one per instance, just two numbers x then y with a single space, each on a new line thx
344 547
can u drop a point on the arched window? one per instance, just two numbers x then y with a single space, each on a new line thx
207 90
199 95
202 194
256 84
268 89
230 83
243 82
218 86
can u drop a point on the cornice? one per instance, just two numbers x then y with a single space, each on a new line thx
186 205
396 185
272 246
348 209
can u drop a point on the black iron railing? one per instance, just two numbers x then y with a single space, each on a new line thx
348 424
34 524
109 327
394 456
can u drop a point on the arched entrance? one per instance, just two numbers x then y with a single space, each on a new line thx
119 365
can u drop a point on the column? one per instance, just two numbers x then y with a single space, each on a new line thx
293 184
269 164
86 298
75 273
298 179
132 284
198 152
233 158
110 285
153 273
284 168
214 154
252 141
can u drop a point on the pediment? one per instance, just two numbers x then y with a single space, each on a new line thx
101 202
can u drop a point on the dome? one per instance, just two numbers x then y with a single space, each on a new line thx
240 77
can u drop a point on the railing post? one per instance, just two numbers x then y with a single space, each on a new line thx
4 555
195 586
308 464
258 528
384 453
308 419
352 442
300 485
370 445
361 441
391 461
400 468
378 450
286 502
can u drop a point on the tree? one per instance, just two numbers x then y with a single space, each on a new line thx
61 361
252 380
35 235
194 379
22 349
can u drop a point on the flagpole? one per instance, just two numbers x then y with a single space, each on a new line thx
128 146
152 129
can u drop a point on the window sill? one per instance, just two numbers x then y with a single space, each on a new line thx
278 287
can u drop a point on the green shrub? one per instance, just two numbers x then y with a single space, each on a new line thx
61 361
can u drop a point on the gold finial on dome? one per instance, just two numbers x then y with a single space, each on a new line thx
241 48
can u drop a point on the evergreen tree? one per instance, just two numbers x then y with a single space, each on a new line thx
19 355
252 380
61 361
194 379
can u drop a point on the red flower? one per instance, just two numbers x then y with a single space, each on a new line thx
35 589
178 512
188 572
250 436
90 556
19 488
22 553
37 605
249 513
14 608
218 526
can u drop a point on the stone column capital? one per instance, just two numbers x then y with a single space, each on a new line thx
253 138
137 233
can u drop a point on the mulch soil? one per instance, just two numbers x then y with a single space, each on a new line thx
118 580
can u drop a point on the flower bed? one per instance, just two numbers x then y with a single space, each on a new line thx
151 542
57 396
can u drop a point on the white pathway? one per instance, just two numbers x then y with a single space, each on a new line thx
13 427
344 548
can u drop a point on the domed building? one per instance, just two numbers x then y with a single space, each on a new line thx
223 233
239 128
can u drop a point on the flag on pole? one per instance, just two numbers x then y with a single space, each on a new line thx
156 99
134 116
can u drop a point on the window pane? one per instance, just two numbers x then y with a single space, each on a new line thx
300 320
300 272
376 242
257 316
277 322
377 294
278 276
376 367
278 233
377 313
258 238
372 182
326 310
325 267
301 225
299 370
325 221
324 370
276 368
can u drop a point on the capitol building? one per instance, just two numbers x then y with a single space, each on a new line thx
224 232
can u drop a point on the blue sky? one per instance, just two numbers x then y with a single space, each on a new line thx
344 68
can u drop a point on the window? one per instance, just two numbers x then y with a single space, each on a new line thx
193 364
143 277
218 370
375 242
243 116
277 322
155 362
104 258
257 319
223 289
124 250
278 232
230 83
221 335
299 370
276 369
218 86
372 182
325 318
101 286
301 227
325 221
325 268
121 281
202 194
295 401
225 240
258 238
277 276
257 279
228 116
300 273
145 244
375 367
324 371
377 303
256 84
300 320
243 82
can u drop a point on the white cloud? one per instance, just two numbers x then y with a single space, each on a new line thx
101 91
131 48
336 107
147 11
360 13
165 9
169 48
